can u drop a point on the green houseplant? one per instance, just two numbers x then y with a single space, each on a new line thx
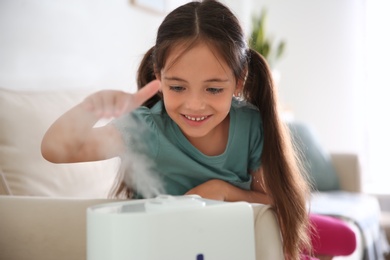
262 42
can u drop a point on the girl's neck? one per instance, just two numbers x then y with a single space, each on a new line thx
215 142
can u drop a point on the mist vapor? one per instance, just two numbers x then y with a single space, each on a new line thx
137 169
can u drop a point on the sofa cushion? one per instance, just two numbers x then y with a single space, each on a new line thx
316 159
24 118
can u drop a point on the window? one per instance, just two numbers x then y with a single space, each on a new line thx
377 97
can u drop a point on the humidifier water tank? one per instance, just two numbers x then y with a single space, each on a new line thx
171 228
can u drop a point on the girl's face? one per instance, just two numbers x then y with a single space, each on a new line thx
197 88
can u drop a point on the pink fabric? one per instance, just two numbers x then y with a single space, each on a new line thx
331 236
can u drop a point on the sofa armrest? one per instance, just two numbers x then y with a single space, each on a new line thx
268 238
44 228
4 189
348 170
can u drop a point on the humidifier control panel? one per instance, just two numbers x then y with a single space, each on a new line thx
173 203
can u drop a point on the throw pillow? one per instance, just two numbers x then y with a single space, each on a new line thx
317 161
24 118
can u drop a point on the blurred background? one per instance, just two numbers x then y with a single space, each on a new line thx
333 73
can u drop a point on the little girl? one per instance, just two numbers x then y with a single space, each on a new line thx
211 123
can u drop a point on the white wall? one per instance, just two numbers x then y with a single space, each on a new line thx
74 43
322 73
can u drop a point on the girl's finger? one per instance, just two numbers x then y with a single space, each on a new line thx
122 103
148 91
96 105
108 104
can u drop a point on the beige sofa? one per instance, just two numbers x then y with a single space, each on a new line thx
43 205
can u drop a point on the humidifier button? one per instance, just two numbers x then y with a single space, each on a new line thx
173 203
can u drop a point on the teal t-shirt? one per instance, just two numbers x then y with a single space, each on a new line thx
180 165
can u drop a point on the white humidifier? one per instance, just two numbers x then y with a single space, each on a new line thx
171 228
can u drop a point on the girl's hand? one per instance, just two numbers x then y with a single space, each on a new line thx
213 189
114 103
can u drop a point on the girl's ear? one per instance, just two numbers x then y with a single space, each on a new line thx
240 85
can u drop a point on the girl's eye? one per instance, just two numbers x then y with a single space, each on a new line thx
176 88
215 90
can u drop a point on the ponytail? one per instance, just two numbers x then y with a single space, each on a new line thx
146 74
283 177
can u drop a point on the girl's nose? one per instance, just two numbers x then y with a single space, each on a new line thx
195 102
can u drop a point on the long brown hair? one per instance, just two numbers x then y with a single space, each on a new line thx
212 22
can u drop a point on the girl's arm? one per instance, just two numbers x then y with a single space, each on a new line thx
73 137
221 190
